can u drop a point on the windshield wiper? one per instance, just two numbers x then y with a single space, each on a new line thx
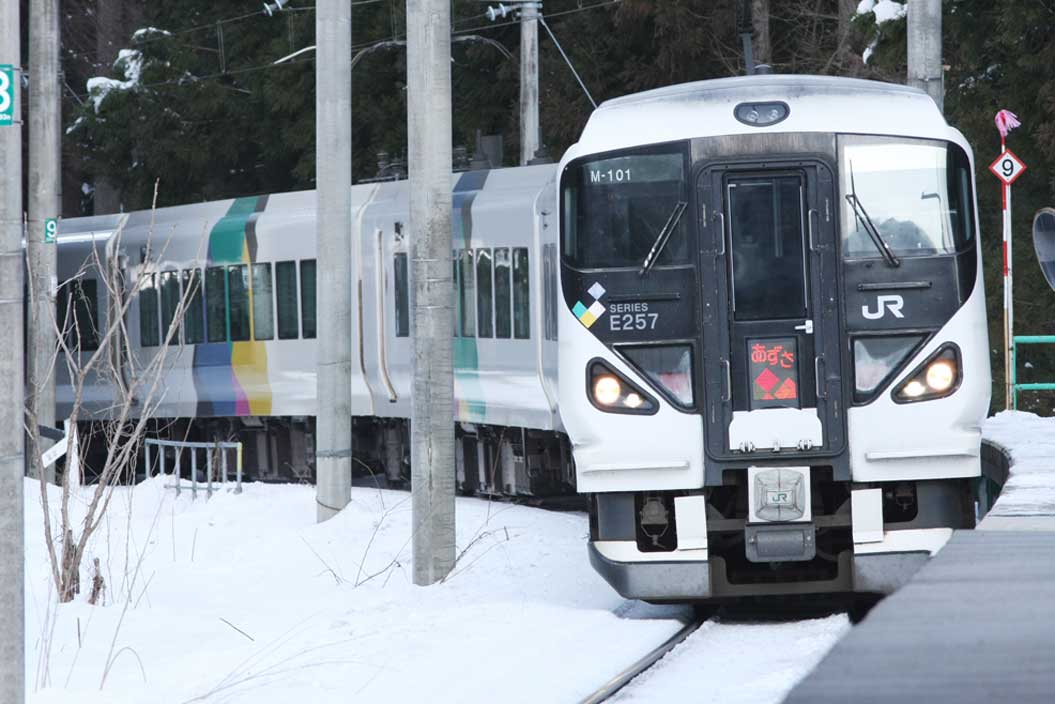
870 228
662 238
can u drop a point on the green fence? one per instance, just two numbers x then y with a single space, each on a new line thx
1036 386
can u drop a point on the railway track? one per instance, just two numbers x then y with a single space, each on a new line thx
722 661
612 686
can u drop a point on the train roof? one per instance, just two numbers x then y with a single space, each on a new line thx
194 219
816 104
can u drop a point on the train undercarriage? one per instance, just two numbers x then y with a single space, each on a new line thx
491 460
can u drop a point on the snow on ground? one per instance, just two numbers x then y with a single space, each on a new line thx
764 660
243 598
1029 494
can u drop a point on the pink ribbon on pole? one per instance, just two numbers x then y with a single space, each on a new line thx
1006 121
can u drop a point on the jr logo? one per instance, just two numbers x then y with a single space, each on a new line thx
778 498
892 303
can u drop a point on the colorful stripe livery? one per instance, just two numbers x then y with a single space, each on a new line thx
231 378
468 391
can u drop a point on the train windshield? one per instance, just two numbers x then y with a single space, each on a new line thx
916 193
616 208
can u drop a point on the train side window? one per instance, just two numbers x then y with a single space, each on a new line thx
170 298
263 303
521 294
401 292
484 294
961 198
148 312
503 298
286 295
79 314
467 297
455 279
307 298
216 304
238 301
193 317
549 292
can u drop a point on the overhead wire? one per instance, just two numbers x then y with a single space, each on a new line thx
191 79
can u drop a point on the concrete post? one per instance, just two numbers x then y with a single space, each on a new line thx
45 117
12 458
924 49
529 67
432 427
333 159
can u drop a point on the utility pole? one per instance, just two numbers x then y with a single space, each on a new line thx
432 419
924 49
12 413
45 117
529 67
333 222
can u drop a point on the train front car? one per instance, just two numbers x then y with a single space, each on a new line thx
773 354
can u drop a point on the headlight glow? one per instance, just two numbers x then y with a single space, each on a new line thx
609 391
936 377
914 389
606 390
941 374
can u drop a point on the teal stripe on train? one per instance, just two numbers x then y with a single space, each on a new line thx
468 389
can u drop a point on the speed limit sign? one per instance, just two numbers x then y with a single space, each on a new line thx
1007 167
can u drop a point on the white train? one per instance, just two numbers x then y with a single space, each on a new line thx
773 360
773 351
245 364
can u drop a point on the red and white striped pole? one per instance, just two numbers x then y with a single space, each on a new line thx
1005 122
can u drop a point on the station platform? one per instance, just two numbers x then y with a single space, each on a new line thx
977 622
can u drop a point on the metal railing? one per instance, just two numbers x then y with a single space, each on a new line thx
1033 386
212 449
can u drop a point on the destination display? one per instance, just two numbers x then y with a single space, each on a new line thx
774 372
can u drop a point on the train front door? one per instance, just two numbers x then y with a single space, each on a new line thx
771 364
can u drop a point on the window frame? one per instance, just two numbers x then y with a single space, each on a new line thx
681 146
257 302
169 314
304 299
485 310
151 288
503 256
245 318
193 278
522 296
845 210
223 319
290 265
401 293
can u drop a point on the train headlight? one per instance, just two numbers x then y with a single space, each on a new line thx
914 389
611 392
606 390
939 376
632 400
761 114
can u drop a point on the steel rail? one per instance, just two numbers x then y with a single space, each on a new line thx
609 688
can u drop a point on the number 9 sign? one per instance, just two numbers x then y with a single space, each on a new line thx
51 229
7 94
1007 167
